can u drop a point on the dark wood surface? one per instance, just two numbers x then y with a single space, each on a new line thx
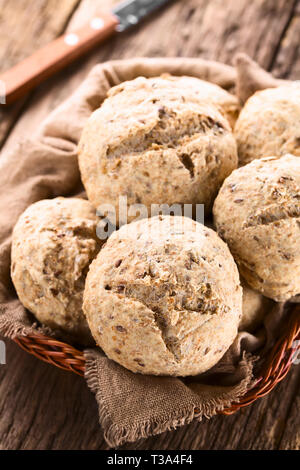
42 407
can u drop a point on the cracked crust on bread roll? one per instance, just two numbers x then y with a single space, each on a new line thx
269 124
54 241
255 308
257 213
163 297
156 141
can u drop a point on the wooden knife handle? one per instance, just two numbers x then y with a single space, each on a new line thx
55 56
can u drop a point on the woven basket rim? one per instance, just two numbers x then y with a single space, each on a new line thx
275 367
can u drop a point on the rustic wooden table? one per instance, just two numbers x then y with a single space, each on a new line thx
42 407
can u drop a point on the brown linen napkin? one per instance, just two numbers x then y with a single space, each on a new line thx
251 77
131 406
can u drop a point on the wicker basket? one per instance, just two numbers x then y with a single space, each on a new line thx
276 363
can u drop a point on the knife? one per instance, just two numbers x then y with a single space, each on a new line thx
44 63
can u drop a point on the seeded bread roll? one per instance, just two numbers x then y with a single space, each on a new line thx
269 124
54 242
156 141
255 305
227 103
257 212
255 308
163 297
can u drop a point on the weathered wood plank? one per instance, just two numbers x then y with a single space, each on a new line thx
29 25
34 25
55 90
44 408
40 404
290 438
287 61
254 27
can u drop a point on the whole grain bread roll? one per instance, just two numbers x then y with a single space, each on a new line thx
269 124
227 103
163 297
53 243
257 212
255 305
157 141
255 308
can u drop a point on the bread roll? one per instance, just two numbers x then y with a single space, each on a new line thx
257 212
156 141
255 308
54 242
269 124
163 297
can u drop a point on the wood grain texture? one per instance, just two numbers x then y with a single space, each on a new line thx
53 57
42 407
286 64
26 26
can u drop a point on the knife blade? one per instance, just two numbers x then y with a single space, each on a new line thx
131 12
50 59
